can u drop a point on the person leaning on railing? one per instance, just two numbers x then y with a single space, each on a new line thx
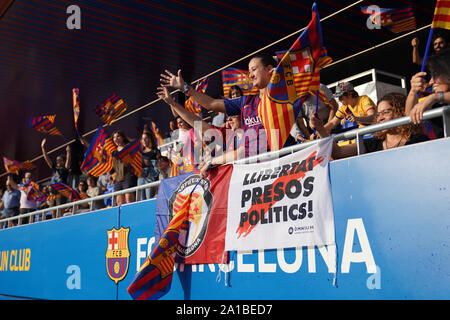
390 106
439 66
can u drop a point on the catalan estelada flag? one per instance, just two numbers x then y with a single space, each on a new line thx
154 278
239 77
76 107
294 78
441 17
45 124
190 104
67 191
110 109
396 20
132 155
98 157
13 166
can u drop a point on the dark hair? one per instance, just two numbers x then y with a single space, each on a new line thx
352 93
122 134
438 34
164 158
439 64
151 136
266 59
176 119
235 87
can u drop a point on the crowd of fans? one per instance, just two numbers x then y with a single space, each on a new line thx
235 132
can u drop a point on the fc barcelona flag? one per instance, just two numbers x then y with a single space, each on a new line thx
154 278
13 166
98 157
441 18
34 194
132 155
296 75
110 109
190 104
67 191
240 78
158 136
396 20
45 124
76 107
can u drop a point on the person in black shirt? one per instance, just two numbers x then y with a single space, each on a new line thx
60 172
150 155
390 106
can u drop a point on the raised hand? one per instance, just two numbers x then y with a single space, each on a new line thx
168 79
418 83
163 94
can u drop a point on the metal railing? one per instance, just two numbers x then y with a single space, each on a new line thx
444 112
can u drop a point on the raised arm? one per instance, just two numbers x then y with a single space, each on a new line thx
415 51
168 79
188 116
44 153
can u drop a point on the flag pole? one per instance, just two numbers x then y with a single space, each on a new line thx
430 36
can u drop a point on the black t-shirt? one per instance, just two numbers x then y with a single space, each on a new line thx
59 174
375 144
151 155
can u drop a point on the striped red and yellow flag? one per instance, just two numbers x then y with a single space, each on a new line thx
132 155
45 124
295 76
98 157
154 278
13 166
441 17
190 104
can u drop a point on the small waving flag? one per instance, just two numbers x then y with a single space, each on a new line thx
239 77
68 191
45 124
154 278
396 20
190 104
295 76
158 136
13 166
34 194
110 109
441 18
76 107
98 157
132 155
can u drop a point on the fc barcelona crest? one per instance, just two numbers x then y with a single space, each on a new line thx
117 253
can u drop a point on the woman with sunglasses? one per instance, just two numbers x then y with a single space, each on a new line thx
390 107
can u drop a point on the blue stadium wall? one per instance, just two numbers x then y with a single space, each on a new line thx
392 220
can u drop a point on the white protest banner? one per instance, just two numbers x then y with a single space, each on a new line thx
282 203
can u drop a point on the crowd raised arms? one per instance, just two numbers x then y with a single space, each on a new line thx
236 132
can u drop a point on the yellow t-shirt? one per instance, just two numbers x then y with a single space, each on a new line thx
359 110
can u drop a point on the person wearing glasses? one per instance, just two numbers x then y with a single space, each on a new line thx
390 106
438 93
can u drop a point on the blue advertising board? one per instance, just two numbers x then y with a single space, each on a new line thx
392 221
